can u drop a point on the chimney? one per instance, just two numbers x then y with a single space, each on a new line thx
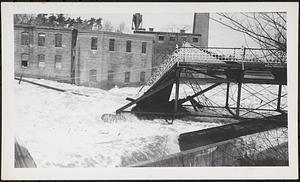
151 29
182 31
201 26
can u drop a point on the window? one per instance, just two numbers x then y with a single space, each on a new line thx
25 38
94 41
111 44
93 75
110 75
41 60
144 45
127 77
58 40
161 38
195 39
58 61
142 76
41 39
172 38
24 60
128 46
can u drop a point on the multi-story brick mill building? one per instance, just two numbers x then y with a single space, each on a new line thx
91 58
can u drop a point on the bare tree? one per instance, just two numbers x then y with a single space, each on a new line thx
267 29
121 27
107 26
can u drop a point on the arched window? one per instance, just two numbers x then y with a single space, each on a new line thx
93 75
24 60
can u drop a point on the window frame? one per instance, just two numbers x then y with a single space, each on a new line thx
193 40
172 37
41 39
93 77
110 75
144 47
23 40
57 61
39 60
142 76
163 38
58 40
94 43
127 77
111 45
128 45
24 60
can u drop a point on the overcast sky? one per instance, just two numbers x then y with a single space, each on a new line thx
219 35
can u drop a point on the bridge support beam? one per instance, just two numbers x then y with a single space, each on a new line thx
238 101
176 90
279 98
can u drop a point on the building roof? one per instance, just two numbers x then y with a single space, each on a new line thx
84 31
174 33
41 27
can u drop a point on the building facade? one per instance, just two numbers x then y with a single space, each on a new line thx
42 52
97 59
165 42
105 59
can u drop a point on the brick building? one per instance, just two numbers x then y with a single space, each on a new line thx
98 59
105 59
43 52
165 42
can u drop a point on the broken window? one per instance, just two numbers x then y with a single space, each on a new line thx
41 60
58 40
110 75
111 44
142 76
144 45
94 41
41 39
93 75
128 46
24 60
127 77
58 64
24 38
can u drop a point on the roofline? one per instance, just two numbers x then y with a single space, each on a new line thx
42 27
175 33
115 33
82 31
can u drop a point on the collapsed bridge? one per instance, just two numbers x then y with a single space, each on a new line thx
206 69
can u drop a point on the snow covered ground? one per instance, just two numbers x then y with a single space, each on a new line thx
62 129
